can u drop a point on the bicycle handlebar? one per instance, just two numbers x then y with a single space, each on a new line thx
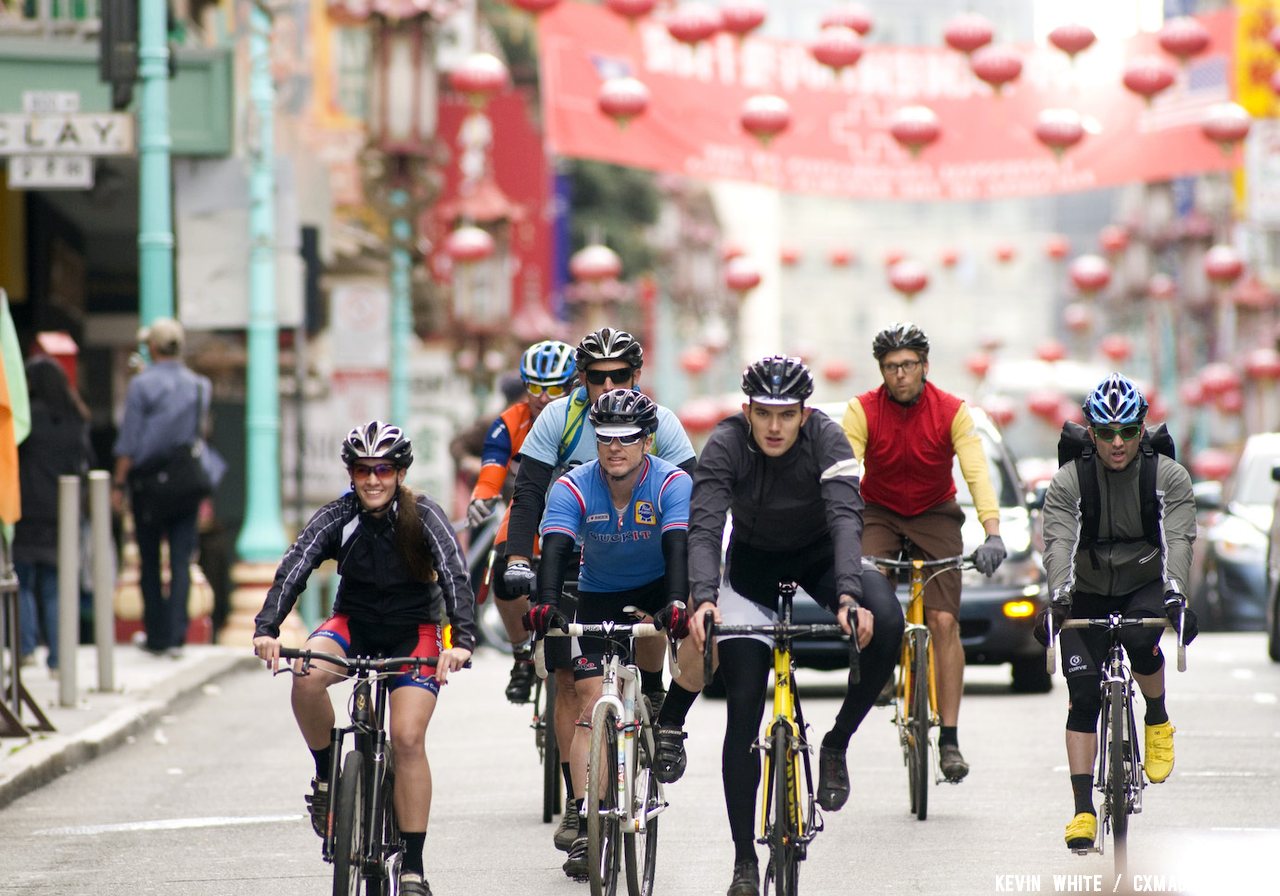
780 630
960 561
609 630
1110 623
359 663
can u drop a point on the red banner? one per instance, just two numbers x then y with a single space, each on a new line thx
838 142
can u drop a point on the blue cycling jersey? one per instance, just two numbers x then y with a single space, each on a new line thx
621 549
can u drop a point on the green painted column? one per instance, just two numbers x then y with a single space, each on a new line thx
261 537
155 194
401 306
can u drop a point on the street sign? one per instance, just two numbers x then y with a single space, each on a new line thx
50 102
79 133
50 173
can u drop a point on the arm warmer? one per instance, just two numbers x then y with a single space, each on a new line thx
528 502
557 549
675 553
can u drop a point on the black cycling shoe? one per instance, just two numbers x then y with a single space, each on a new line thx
954 768
414 885
746 879
520 684
576 865
885 697
671 760
318 806
833 779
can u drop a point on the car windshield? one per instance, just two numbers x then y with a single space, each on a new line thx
1006 494
1253 480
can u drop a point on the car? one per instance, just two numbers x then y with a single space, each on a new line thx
1273 576
1228 587
997 615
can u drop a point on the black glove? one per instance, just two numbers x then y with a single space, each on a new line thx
1174 606
674 617
541 618
479 510
518 577
988 557
1058 611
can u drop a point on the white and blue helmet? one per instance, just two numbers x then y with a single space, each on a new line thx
548 363
1115 400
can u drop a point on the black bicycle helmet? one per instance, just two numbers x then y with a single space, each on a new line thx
608 344
624 409
1115 400
377 439
777 379
899 336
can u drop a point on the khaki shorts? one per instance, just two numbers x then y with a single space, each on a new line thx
936 533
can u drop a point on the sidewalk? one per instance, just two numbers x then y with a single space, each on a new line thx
145 687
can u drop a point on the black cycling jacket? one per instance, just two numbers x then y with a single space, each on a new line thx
779 503
375 583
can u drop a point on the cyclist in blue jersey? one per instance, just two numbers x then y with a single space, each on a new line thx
630 512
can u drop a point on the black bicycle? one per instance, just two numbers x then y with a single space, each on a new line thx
361 838
543 724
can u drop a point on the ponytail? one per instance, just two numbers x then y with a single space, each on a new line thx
408 537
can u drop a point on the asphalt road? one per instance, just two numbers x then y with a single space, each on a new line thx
209 803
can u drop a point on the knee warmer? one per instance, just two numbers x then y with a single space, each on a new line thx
1085 704
1147 659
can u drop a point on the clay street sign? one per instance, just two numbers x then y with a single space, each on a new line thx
81 133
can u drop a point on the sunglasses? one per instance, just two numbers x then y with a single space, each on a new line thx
553 391
1109 433
625 441
600 377
362 471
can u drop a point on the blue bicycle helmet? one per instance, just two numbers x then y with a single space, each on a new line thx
1115 400
548 363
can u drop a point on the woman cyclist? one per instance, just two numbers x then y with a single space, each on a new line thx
401 567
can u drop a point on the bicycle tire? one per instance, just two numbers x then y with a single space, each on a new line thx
604 854
386 833
1118 776
640 850
781 877
920 724
550 748
348 825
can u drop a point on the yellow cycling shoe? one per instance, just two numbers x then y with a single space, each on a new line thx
1082 831
1159 753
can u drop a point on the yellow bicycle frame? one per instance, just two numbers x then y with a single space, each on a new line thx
784 713
915 617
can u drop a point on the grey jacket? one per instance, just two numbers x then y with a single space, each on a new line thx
1123 566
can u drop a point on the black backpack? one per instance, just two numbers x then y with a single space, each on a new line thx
1074 444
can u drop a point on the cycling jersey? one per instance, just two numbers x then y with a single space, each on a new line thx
375 585
621 548
501 446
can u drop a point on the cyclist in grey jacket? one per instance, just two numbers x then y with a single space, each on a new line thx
1125 569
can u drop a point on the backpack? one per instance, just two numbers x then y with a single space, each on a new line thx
1075 445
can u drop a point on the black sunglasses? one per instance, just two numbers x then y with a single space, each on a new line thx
1109 433
618 375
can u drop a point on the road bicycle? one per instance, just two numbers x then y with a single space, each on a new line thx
361 838
623 829
915 690
789 816
1119 771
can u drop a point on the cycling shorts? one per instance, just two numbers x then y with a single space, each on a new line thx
1084 649
361 638
606 606
936 533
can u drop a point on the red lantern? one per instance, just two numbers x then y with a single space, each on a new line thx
741 275
692 23
1116 346
1223 265
840 258
595 263
1213 464
967 32
789 256
480 76
622 99
1231 401
765 116
1000 409
1191 393
700 415
695 359
1005 252
1219 378
741 17
915 127
468 244
1072 38
1252 294
1183 37
1113 239
837 47
1059 129
1051 350
631 9
1089 273
908 278
997 66
893 256
849 15
1263 364
534 6
731 250
1161 287
1147 76
1046 406
978 363
1078 317
836 371
949 258
1057 246
1226 124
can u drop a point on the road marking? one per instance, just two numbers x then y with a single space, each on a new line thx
167 824
1264 697
1222 775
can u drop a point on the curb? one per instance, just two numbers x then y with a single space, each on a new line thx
50 757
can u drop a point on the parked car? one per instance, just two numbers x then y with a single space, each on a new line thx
1228 585
997 614
1273 576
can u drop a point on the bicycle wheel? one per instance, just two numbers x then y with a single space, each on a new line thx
1117 774
386 835
918 726
604 856
640 849
544 701
781 877
348 826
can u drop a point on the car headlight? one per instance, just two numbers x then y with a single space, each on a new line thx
1236 541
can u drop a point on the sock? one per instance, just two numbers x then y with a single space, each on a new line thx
1156 714
568 782
1082 788
744 852
947 736
650 681
411 862
322 758
676 706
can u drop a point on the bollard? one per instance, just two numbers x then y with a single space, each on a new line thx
104 586
68 586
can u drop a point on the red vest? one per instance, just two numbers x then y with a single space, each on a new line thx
909 450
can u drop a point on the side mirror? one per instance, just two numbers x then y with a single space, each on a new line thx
1275 473
1035 499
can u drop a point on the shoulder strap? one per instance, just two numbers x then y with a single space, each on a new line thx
1090 497
1147 492
572 424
